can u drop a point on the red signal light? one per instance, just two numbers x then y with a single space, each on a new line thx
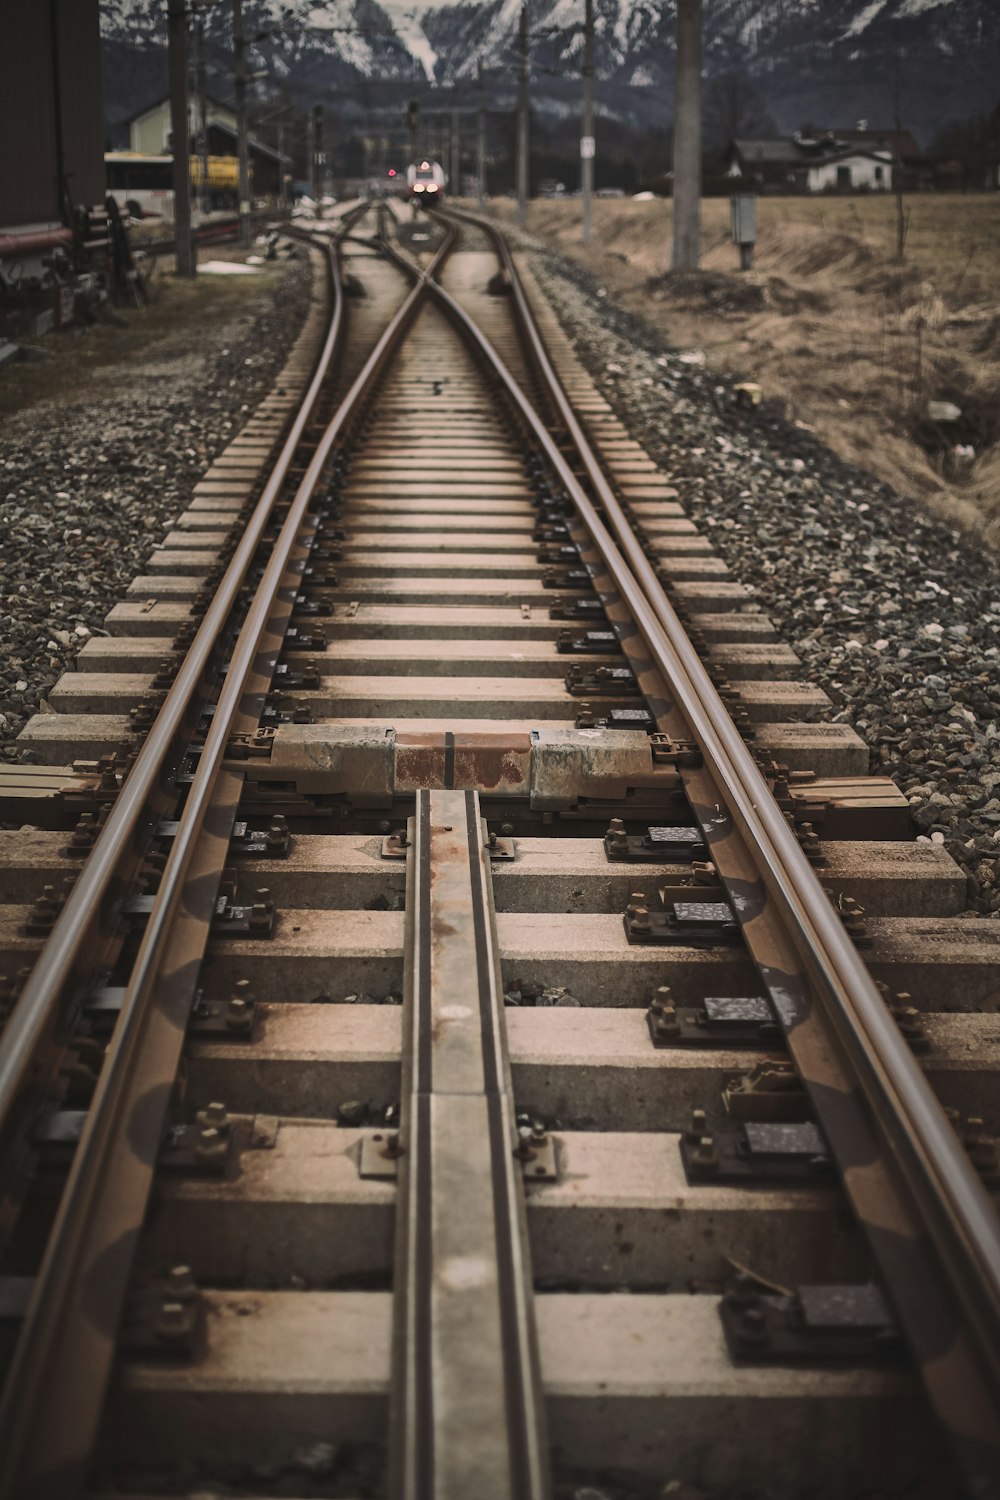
392 171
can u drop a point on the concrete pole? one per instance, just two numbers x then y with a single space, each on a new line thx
481 136
187 263
242 148
522 117
282 186
587 135
687 137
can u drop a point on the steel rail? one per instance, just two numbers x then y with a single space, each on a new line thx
72 957
950 1208
54 1389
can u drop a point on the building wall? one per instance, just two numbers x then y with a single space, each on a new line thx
865 173
29 155
149 134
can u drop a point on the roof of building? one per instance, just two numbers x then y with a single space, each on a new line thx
156 104
851 153
900 142
255 145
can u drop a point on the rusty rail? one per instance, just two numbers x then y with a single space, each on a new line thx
55 1383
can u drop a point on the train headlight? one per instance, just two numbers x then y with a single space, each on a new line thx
418 187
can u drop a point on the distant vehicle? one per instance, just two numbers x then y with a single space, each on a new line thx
141 185
425 182
144 185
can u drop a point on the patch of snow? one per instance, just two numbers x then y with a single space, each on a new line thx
864 18
917 7
410 32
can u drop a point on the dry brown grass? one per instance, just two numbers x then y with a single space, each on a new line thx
852 342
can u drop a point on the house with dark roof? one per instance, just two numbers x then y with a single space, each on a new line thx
816 162
149 135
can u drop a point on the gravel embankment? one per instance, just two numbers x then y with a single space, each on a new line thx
895 615
88 487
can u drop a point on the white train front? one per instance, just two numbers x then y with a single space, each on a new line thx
425 182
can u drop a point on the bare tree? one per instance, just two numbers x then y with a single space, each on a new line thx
734 108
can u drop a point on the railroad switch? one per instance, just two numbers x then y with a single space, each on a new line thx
823 1324
614 682
757 1151
568 578
164 1317
615 718
299 640
205 1147
668 844
234 1019
272 842
242 746
579 609
395 846
670 752
719 1021
591 643
770 1092
288 676
285 711
688 919
307 608
550 532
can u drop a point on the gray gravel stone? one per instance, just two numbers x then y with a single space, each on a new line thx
894 614
88 488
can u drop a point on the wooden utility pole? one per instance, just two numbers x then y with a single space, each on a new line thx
522 117
242 148
186 260
455 169
687 138
481 136
202 115
897 171
587 144
318 157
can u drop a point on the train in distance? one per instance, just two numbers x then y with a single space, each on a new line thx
425 182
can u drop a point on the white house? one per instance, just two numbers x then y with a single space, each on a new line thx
149 132
871 170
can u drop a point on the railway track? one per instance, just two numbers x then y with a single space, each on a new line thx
447 1074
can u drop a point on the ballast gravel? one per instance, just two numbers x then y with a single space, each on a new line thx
88 488
894 615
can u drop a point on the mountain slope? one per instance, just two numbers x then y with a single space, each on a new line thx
828 61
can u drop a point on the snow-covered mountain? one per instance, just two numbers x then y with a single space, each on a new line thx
830 61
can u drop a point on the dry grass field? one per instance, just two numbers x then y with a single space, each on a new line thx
853 343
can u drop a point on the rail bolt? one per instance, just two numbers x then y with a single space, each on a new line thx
181 1284
753 1328
239 1007
212 1146
704 1156
616 834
